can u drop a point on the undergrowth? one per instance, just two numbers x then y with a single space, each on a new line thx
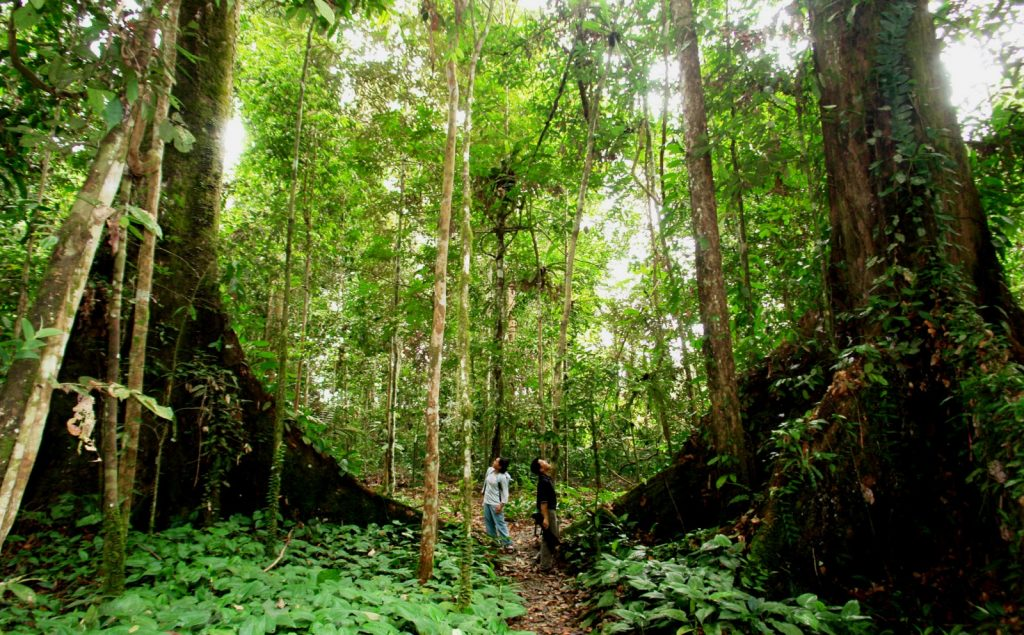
331 579
702 584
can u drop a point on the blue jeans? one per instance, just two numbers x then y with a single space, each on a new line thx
495 525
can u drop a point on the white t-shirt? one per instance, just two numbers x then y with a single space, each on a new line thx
496 487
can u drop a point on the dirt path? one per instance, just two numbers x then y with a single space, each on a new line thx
554 605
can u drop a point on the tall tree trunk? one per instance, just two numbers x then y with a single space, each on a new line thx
500 315
727 429
541 400
144 271
465 277
675 282
913 268
428 540
652 208
25 400
281 392
595 448
395 354
113 531
187 309
464 388
845 51
307 220
558 381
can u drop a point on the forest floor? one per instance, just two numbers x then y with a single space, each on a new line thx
554 602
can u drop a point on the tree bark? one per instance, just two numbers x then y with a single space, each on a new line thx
187 308
25 400
428 540
144 275
307 270
860 127
500 316
465 277
394 356
726 426
113 523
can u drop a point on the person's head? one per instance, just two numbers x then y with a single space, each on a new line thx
540 466
500 464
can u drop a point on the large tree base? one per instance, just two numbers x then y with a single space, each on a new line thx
313 485
866 494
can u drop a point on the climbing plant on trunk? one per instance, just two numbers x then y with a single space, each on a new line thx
151 167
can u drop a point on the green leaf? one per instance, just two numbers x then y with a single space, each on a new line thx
113 113
721 540
97 99
256 625
27 330
38 4
48 332
91 519
164 412
144 218
166 131
324 10
704 613
131 88
191 618
183 139
25 17
851 609
126 606
786 628
22 592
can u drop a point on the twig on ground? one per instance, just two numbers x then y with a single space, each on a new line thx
284 548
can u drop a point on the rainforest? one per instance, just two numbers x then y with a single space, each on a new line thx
511 316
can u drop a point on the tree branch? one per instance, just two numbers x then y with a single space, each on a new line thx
19 64
554 106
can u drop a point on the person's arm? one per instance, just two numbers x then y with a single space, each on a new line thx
502 499
544 514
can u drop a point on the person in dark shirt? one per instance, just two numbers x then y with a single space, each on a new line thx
547 503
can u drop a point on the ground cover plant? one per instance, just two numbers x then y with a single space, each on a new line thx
704 583
219 580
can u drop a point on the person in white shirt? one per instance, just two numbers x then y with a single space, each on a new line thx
495 497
